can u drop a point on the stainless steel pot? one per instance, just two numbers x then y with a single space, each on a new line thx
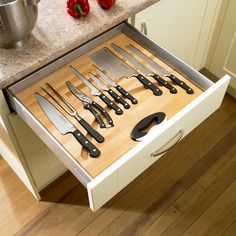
17 19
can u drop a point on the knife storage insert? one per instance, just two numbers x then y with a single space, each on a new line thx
117 139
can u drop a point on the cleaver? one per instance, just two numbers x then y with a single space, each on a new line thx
118 68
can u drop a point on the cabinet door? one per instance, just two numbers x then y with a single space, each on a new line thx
181 26
224 56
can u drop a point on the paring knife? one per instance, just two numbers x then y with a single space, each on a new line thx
96 92
91 105
64 125
117 97
160 69
117 86
118 68
69 109
144 69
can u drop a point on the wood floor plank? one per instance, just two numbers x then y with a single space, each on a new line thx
219 216
231 231
175 210
203 202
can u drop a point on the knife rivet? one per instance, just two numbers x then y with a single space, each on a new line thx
103 96
78 134
111 103
149 83
118 97
173 77
86 142
165 82
127 94
96 114
181 83
94 150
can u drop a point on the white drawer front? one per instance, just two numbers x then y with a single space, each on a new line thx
126 169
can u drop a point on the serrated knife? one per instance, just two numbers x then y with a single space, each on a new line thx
144 69
103 86
160 69
118 68
64 125
117 86
96 92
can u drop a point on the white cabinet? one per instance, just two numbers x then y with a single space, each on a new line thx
184 27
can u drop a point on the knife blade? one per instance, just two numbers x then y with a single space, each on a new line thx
96 92
117 86
118 68
117 97
160 69
64 126
144 69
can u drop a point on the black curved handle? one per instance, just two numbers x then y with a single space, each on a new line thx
96 115
161 81
93 151
126 94
105 114
111 104
181 83
147 83
98 137
119 99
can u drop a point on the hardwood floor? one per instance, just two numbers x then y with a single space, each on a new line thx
201 202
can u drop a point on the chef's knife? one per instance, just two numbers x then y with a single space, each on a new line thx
118 68
117 97
96 92
64 125
144 69
160 69
117 86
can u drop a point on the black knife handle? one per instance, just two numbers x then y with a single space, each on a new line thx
147 83
96 115
119 99
98 137
105 114
181 84
126 94
93 151
161 81
111 104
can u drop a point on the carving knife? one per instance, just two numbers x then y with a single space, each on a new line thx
96 92
144 69
117 97
118 68
160 69
117 86
64 126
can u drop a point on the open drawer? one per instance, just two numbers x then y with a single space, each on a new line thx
121 159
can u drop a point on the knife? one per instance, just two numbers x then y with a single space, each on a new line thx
144 69
118 68
160 69
64 125
117 86
70 110
96 92
117 97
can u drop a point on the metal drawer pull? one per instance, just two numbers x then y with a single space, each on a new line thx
166 147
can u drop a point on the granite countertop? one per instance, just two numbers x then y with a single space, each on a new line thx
56 33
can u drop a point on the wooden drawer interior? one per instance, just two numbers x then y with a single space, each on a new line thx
117 139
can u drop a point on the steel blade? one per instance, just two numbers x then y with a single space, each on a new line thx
81 96
98 82
131 59
93 89
106 78
112 64
56 117
145 58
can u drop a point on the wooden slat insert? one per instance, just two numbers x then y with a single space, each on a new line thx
117 139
